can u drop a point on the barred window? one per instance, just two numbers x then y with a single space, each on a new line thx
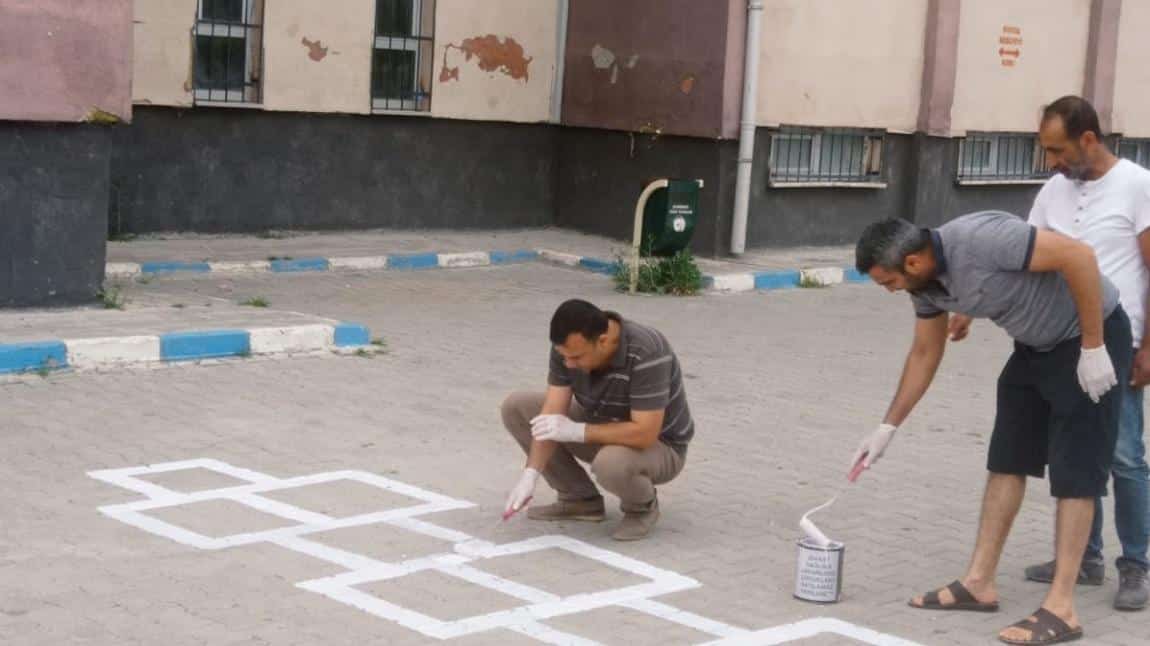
1000 158
1136 150
402 57
826 156
228 50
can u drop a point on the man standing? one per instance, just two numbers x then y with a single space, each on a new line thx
1105 202
1056 404
615 399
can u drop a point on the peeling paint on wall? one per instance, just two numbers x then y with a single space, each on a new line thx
504 56
687 85
603 58
316 51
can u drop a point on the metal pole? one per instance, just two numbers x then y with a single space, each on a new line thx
638 230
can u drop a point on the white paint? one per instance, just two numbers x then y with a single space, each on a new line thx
291 339
239 266
733 283
121 269
812 628
112 351
538 605
559 258
358 262
822 275
602 57
466 259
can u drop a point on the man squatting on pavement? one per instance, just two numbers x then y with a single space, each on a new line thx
615 400
1105 202
1056 403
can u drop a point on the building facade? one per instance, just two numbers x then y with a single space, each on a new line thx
248 115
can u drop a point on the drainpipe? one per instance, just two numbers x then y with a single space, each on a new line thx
747 128
560 60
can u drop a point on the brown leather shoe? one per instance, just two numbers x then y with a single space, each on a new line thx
591 510
635 526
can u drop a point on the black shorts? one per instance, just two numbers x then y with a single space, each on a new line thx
1044 417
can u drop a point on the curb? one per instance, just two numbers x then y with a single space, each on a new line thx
309 264
194 345
722 283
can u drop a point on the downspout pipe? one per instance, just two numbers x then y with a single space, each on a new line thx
560 60
747 127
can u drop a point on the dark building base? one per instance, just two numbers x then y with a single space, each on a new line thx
241 171
53 212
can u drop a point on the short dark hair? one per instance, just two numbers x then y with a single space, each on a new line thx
577 315
887 243
1078 116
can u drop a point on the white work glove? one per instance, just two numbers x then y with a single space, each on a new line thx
522 492
558 428
1096 372
873 446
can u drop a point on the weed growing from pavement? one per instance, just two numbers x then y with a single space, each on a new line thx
677 275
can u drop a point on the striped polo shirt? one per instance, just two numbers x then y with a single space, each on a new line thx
644 374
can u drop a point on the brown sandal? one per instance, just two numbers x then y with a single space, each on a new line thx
963 600
1047 628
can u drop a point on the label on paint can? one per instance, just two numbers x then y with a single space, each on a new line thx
819 575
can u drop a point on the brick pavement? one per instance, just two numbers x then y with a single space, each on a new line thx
782 384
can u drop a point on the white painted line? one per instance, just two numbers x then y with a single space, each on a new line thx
733 283
811 628
549 635
239 266
560 258
291 339
121 269
111 351
682 617
358 262
461 563
467 259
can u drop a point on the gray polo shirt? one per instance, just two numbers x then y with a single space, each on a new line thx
644 374
982 261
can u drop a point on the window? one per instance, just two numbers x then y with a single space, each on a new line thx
1000 158
402 56
1136 150
826 156
227 49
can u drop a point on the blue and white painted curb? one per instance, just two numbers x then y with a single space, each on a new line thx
783 279
310 264
735 282
195 345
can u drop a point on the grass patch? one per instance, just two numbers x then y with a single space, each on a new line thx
676 275
256 301
810 282
112 298
122 236
275 258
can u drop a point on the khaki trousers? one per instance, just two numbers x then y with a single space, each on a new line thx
631 474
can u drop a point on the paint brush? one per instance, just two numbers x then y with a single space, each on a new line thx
511 512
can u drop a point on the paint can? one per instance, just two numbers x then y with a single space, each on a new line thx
819 575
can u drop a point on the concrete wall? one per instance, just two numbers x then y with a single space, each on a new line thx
998 91
228 170
1132 75
162 65
495 60
64 60
833 63
54 201
318 55
647 66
